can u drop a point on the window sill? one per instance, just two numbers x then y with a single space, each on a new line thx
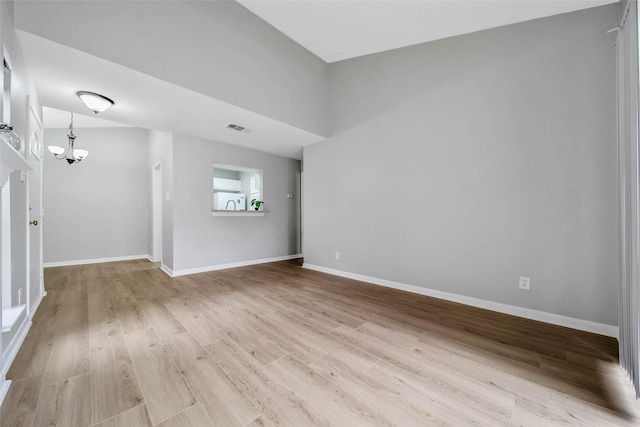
10 316
238 213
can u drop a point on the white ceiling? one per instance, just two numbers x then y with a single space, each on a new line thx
338 30
333 30
59 119
147 102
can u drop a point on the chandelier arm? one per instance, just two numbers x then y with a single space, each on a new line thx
70 153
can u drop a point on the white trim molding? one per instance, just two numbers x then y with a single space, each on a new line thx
9 354
35 306
11 351
527 313
95 260
205 269
167 270
4 389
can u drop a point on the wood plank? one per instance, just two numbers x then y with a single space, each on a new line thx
136 417
196 324
163 387
102 310
326 311
355 356
225 402
67 403
253 341
280 406
130 315
20 403
261 421
114 386
437 382
390 402
161 319
70 350
194 416
594 415
340 407
315 320
440 403
33 356
529 414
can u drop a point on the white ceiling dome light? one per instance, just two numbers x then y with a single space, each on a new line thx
94 101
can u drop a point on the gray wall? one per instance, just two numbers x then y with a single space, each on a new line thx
161 150
97 208
461 164
202 240
249 63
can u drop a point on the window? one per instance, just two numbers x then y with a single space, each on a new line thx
236 188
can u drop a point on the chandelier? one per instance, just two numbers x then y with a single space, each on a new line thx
70 154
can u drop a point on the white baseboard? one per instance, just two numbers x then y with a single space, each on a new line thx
527 313
196 270
94 261
167 270
9 354
36 305
11 351
4 389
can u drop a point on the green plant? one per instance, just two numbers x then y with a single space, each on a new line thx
256 203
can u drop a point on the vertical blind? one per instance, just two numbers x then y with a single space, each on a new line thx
628 185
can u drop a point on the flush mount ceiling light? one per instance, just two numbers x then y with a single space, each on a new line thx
69 154
94 101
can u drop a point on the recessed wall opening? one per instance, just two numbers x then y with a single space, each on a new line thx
237 188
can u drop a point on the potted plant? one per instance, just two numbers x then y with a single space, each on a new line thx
256 203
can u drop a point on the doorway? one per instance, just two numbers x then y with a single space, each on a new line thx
156 184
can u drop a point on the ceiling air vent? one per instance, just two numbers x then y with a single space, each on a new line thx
237 127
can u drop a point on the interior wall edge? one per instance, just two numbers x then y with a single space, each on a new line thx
527 313
166 270
208 268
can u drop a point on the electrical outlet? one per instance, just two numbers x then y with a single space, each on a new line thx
290 196
337 255
525 283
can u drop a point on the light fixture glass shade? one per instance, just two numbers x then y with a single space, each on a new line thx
54 149
94 101
80 154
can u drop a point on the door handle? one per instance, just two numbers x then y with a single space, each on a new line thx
34 222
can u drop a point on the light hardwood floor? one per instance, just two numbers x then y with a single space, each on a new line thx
121 344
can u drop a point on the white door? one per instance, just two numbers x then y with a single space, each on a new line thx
36 278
